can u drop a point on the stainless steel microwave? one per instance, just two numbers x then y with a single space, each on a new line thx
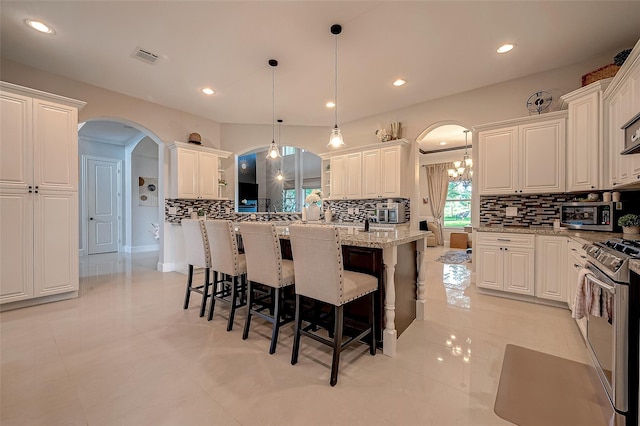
588 216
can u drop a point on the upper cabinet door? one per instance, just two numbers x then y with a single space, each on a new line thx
55 136
16 145
208 175
354 175
541 150
371 173
187 174
583 143
498 161
338 166
390 158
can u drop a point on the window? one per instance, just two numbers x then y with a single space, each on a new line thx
457 208
288 150
288 200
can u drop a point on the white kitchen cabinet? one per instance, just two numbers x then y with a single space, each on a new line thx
621 104
346 176
551 260
372 172
505 262
524 155
195 171
576 259
585 131
38 196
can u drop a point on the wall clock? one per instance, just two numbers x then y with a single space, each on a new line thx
539 101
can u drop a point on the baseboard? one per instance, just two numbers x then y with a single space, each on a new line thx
38 301
141 249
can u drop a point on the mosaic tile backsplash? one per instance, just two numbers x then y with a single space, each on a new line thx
533 210
224 209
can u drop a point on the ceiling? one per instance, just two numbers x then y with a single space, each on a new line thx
441 48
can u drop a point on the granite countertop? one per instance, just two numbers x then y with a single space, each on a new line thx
352 236
590 236
634 265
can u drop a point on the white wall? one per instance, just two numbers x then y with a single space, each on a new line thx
144 162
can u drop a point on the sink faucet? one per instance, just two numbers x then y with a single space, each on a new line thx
275 210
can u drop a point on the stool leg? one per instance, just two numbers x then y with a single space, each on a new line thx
337 344
296 334
189 282
372 320
205 292
247 322
213 295
276 322
234 296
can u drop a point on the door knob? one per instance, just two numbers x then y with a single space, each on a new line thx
90 218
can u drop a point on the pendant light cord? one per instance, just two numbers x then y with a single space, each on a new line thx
336 79
273 106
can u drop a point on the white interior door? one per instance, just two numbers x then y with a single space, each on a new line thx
102 205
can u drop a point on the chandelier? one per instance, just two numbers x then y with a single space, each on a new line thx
462 171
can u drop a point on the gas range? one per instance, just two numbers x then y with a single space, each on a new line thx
612 257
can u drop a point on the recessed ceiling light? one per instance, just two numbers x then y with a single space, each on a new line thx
208 91
443 143
505 48
330 104
39 26
400 82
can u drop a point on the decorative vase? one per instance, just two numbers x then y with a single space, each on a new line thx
631 230
328 215
313 212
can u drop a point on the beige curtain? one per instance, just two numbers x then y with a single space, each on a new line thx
438 184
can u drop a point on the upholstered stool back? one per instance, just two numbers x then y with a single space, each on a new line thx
196 243
223 245
264 257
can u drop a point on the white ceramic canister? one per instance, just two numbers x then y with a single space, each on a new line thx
606 197
615 197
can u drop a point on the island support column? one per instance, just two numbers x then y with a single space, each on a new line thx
390 334
421 248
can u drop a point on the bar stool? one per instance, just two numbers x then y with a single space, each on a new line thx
320 275
266 268
197 250
226 260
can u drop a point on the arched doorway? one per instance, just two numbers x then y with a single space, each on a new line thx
139 153
451 208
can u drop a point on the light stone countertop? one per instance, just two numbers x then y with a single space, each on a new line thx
354 236
589 236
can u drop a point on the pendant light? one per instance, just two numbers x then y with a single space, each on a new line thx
273 151
335 140
279 175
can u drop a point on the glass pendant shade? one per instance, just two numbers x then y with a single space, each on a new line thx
335 141
468 162
273 151
280 176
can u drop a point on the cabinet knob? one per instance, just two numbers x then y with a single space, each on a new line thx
505 249
592 187
90 218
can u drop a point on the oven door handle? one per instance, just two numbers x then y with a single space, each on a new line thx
611 289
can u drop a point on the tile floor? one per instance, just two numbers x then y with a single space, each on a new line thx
126 353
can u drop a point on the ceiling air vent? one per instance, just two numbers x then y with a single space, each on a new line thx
145 55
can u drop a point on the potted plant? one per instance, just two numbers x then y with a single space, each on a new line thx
630 224
202 215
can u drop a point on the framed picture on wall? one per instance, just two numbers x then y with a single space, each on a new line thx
148 192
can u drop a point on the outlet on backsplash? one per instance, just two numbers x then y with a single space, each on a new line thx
173 210
350 210
511 211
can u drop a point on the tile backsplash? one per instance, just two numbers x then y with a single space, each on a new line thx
224 209
533 209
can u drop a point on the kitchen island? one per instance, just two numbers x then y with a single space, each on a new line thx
396 258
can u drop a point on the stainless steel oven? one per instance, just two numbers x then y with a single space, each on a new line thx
612 317
607 331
